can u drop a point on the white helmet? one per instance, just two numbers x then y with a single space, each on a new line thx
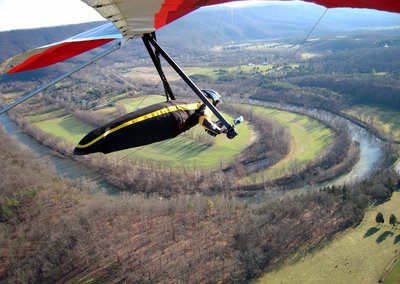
211 94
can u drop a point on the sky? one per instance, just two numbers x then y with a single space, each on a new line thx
28 14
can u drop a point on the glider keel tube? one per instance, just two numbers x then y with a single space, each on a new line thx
148 125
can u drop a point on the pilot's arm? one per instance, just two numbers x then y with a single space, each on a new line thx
211 128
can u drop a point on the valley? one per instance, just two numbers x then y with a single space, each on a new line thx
296 189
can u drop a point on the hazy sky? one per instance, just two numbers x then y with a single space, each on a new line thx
26 14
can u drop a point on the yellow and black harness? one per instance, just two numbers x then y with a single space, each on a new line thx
151 124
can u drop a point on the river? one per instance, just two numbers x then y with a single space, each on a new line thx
371 152
371 147
65 167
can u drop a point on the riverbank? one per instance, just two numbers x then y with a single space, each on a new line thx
64 166
370 152
354 115
371 148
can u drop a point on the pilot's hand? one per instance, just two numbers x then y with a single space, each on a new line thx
231 133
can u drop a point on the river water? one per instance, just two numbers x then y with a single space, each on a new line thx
371 148
371 152
65 167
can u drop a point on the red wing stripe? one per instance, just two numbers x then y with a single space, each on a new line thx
172 10
58 53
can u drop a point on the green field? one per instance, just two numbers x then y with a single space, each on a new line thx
149 74
67 126
217 72
253 46
385 119
47 115
180 151
309 139
394 276
131 104
309 55
359 255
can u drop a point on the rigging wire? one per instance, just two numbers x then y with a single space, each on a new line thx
119 160
122 79
219 24
134 88
311 31
291 59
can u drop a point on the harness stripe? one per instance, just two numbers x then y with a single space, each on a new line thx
153 114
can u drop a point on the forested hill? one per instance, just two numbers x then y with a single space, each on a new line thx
216 25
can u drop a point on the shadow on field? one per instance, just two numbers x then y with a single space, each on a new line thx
371 231
396 239
384 236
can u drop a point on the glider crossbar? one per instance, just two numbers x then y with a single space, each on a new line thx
43 87
149 39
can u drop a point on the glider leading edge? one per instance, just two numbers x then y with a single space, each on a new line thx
129 20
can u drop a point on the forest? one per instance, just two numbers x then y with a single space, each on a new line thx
53 229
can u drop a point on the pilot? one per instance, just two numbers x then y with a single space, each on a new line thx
203 115
152 124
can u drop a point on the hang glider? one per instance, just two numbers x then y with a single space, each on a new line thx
135 18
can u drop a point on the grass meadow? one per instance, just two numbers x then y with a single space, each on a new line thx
394 275
216 72
359 255
309 139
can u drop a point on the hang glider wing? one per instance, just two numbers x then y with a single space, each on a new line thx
50 54
135 18
382 5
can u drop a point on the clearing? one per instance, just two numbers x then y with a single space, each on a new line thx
358 255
